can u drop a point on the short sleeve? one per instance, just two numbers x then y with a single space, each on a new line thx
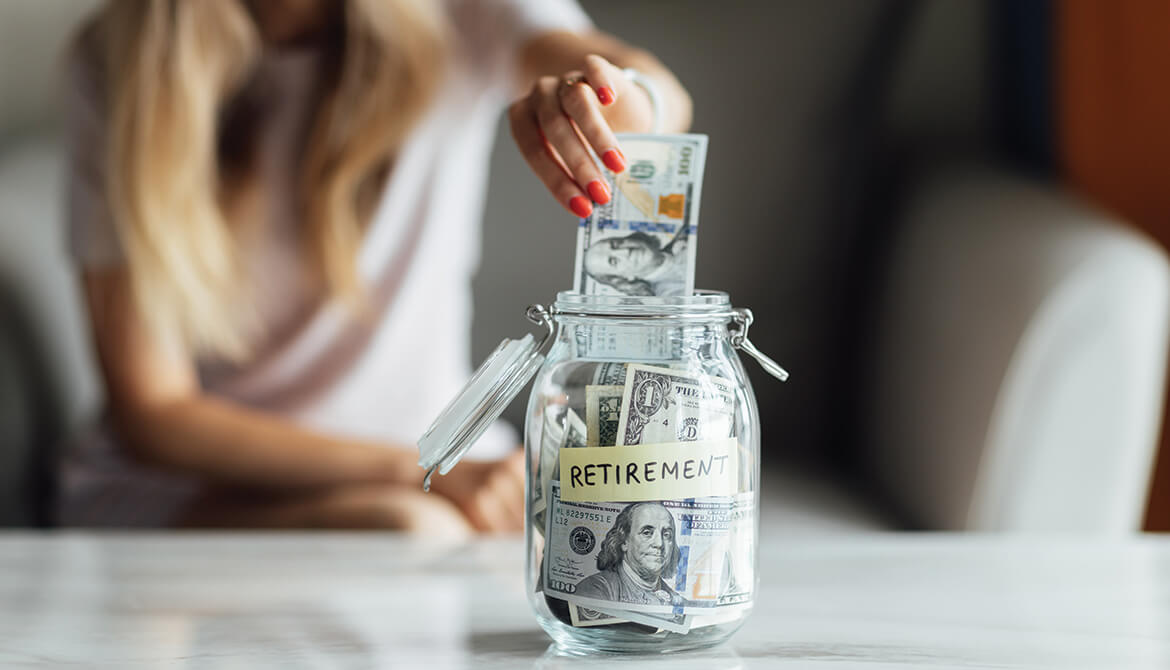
493 31
93 239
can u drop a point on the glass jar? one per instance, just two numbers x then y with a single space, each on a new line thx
642 443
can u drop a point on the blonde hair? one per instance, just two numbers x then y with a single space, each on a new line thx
171 67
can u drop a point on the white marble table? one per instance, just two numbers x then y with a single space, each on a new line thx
380 601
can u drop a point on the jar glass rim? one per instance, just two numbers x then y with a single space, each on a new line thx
701 303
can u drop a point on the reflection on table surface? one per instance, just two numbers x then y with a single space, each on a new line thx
381 601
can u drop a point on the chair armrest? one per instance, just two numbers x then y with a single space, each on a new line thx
1019 360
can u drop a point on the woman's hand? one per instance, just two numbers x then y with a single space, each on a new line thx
562 118
489 493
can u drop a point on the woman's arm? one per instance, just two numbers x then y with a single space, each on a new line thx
578 99
166 420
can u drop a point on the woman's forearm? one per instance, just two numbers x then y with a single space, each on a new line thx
233 445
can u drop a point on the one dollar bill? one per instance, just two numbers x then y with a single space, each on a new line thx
664 405
642 242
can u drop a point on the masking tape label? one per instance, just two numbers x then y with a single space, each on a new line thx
667 471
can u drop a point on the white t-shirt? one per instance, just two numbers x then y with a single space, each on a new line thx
382 378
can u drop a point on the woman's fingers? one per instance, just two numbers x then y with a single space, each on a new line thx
557 126
489 514
538 154
502 495
601 75
497 505
512 488
511 507
556 97
580 104
510 496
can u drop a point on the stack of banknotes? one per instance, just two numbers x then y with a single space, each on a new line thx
643 504
642 507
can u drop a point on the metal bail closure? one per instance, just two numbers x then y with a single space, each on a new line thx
743 317
492 388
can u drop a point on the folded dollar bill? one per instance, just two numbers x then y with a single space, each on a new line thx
551 436
642 242
677 623
603 407
668 405
575 431
607 374
555 436
584 616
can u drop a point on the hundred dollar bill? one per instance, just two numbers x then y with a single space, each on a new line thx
642 242
603 406
670 557
664 405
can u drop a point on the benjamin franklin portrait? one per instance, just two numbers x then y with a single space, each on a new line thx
638 264
638 552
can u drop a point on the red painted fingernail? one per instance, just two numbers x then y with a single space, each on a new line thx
598 192
580 206
605 95
614 160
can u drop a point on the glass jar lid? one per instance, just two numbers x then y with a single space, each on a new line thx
492 388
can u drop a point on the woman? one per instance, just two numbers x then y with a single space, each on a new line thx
274 205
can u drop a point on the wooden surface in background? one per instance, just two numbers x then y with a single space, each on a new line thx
1113 107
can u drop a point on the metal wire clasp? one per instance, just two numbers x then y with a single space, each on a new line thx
539 315
742 317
